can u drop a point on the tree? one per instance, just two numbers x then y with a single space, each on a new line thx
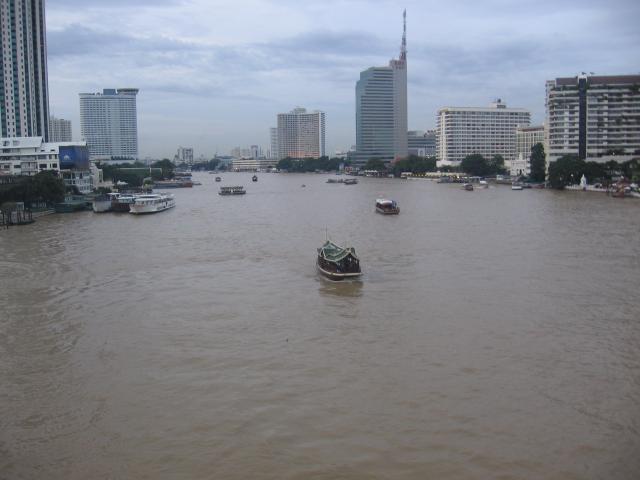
496 164
538 163
47 187
375 164
167 167
475 164
566 170
414 164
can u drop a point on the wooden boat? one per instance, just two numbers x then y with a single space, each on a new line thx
235 190
387 207
468 187
338 263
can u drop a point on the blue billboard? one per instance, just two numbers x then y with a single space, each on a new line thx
73 157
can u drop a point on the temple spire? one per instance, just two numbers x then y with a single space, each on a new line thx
403 49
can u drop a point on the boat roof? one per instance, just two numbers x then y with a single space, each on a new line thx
335 253
385 200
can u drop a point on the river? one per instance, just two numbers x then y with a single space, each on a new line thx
494 334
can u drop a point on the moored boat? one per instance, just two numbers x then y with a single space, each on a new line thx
152 203
483 184
101 203
120 202
235 190
516 186
387 207
173 184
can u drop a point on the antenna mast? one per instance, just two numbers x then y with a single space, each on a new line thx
403 49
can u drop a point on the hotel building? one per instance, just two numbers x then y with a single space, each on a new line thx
526 138
24 95
109 124
301 134
594 117
489 131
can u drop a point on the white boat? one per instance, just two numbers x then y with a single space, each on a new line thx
152 203
387 207
483 184
101 203
516 187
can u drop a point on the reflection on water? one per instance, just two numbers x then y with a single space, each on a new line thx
344 288
494 334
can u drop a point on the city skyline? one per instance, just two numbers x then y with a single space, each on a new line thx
213 76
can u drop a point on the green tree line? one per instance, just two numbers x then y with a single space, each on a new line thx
45 187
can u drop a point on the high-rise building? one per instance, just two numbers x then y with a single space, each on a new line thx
421 143
184 155
526 138
273 137
596 118
24 95
489 131
59 129
381 109
109 123
301 134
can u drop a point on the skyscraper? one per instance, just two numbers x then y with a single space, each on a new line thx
109 123
59 129
24 95
381 109
301 134
273 137
595 117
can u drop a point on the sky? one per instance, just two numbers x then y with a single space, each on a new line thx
213 75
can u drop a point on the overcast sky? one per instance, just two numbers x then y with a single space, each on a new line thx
214 74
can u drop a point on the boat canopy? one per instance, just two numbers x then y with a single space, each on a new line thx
385 201
334 253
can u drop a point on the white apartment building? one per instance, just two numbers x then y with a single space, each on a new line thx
526 137
59 129
31 155
489 131
301 134
252 164
109 123
184 155
24 95
594 117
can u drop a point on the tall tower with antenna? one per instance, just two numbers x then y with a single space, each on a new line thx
381 109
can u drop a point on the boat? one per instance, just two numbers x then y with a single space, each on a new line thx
173 184
335 180
468 187
235 190
516 186
121 202
338 263
101 203
387 207
483 184
218 179
72 203
254 178
350 181
152 203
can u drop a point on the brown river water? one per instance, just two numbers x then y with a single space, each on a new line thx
494 334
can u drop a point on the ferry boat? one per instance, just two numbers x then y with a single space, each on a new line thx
121 202
101 203
338 263
152 203
387 207
236 190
